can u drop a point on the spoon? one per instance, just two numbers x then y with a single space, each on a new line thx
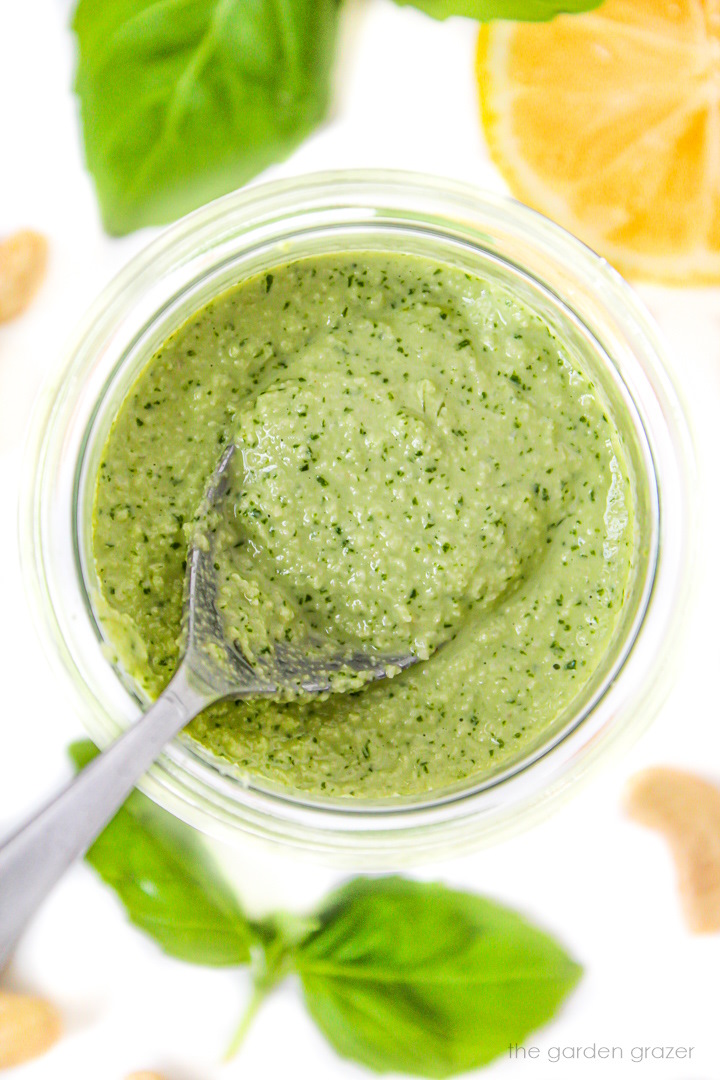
211 669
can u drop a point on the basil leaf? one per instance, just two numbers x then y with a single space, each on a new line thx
486 10
417 978
165 881
184 100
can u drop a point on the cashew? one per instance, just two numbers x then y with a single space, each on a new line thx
23 257
686 810
28 1027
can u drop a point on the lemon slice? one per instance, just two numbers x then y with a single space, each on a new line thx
609 123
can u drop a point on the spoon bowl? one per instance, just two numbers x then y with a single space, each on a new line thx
216 666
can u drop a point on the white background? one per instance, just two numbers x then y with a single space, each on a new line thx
406 98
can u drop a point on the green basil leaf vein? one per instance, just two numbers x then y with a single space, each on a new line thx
417 978
487 10
166 882
184 100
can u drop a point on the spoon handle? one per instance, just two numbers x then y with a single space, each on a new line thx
35 857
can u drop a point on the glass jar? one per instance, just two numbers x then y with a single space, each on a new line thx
593 311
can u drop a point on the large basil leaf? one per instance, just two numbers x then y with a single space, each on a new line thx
486 10
417 978
166 883
184 100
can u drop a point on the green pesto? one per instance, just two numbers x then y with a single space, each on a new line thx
419 463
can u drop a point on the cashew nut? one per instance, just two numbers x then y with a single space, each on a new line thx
28 1027
23 257
686 810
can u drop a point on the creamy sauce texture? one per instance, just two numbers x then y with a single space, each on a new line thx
419 463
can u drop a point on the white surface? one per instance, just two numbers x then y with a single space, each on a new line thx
406 98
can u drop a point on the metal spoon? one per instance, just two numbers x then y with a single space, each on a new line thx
34 857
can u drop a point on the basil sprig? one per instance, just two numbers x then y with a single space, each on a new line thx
166 883
399 975
183 101
405 976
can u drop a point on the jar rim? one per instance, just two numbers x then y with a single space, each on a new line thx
198 791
